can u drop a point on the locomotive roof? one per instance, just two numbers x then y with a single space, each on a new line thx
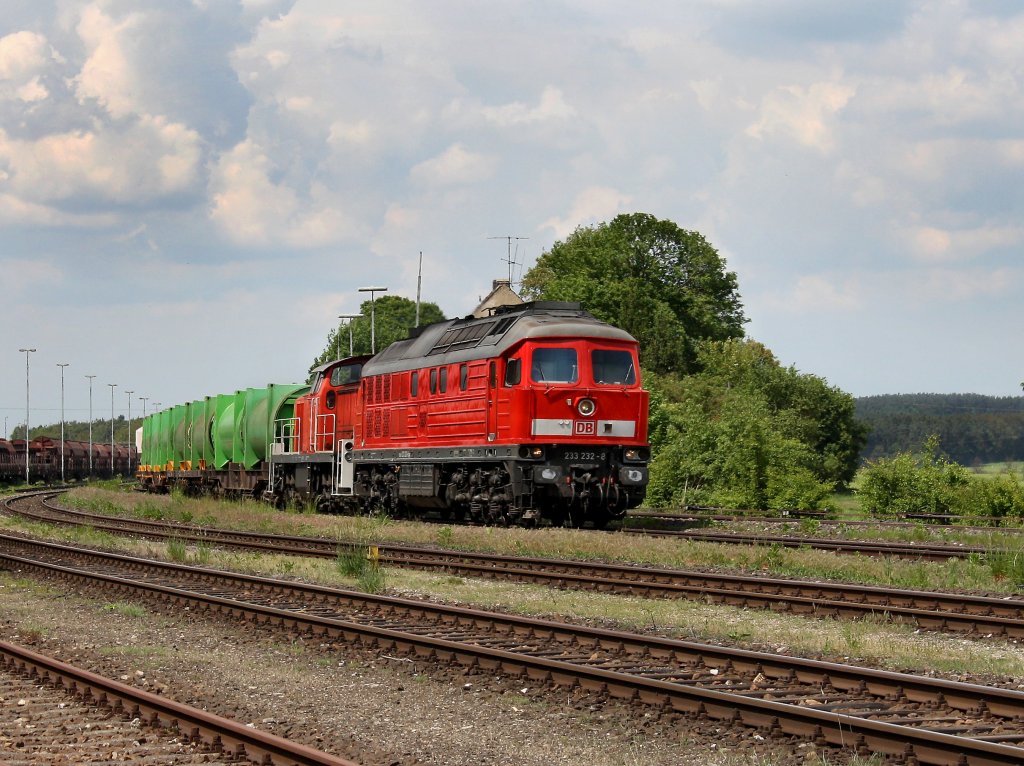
469 338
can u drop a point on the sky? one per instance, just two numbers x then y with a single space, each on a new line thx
191 192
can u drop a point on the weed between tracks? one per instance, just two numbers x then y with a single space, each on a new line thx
891 645
993 571
874 641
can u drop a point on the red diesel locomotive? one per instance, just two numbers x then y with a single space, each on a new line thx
535 413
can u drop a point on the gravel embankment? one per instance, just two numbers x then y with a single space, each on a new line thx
373 709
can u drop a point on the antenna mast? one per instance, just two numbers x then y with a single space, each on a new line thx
509 259
419 284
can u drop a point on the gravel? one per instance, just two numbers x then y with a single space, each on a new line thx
371 708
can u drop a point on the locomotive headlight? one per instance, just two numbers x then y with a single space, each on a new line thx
630 454
537 452
586 407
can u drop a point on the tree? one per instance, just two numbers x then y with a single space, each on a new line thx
747 432
394 316
665 285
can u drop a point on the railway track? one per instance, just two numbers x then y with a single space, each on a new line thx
58 713
922 720
925 551
949 612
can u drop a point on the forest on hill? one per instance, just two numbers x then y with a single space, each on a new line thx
972 429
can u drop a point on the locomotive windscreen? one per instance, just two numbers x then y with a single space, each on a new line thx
554 365
613 367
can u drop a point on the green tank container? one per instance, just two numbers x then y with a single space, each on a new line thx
264 406
163 436
199 446
147 435
223 429
238 435
179 433
154 440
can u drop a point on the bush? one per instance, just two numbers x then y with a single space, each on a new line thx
925 483
1001 497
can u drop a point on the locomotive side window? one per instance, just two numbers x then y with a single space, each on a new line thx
433 380
444 379
492 375
513 372
414 384
463 377
554 365
613 367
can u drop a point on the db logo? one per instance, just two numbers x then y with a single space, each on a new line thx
586 427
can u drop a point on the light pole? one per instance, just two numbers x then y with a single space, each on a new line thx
373 328
26 351
349 317
90 377
62 365
130 439
143 399
112 387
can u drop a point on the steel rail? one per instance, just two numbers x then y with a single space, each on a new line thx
929 610
929 551
219 733
775 717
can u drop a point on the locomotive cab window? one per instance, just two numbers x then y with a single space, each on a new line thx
554 365
345 374
613 367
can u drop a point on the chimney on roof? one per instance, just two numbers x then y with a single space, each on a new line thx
501 294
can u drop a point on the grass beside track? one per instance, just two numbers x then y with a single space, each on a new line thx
874 642
1000 570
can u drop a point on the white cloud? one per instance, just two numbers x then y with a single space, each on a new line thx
140 160
942 286
931 244
552 107
593 204
22 56
107 74
254 210
455 165
807 115
816 295
15 211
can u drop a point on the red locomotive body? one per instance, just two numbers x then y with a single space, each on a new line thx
535 412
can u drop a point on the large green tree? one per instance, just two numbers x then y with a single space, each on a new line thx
747 432
665 285
394 316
